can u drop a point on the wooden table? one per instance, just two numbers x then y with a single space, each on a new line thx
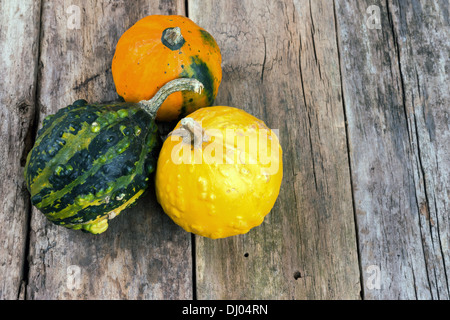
360 97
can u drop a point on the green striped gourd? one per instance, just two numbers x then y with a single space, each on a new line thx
91 161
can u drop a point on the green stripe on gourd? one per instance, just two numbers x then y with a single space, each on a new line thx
87 190
200 70
96 165
91 161
71 137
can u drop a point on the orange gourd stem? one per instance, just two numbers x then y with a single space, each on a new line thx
172 38
151 106
191 132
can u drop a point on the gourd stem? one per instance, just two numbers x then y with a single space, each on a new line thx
173 36
192 132
185 84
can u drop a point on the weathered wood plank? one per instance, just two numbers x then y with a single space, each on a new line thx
422 33
395 82
280 63
19 34
142 255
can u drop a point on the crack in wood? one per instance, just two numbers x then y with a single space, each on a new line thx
90 79
348 148
309 118
264 61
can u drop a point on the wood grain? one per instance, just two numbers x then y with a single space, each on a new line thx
19 43
142 255
280 63
396 103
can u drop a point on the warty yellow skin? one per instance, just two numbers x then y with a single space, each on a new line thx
220 195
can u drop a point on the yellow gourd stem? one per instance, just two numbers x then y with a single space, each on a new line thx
192 132
185 84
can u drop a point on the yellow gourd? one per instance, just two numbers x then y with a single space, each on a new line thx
219 172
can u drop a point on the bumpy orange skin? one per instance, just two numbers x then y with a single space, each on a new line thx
218 199
142 64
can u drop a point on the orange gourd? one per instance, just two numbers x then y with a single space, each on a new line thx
161 48
219 172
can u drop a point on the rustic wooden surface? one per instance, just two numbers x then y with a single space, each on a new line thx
283 67
18 64
363 119
396 96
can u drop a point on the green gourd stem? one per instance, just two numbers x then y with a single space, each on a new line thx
185 84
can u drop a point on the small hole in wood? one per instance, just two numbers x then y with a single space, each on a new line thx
297 275
246 255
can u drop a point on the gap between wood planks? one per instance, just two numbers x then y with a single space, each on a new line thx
194 268
361 279
22 292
